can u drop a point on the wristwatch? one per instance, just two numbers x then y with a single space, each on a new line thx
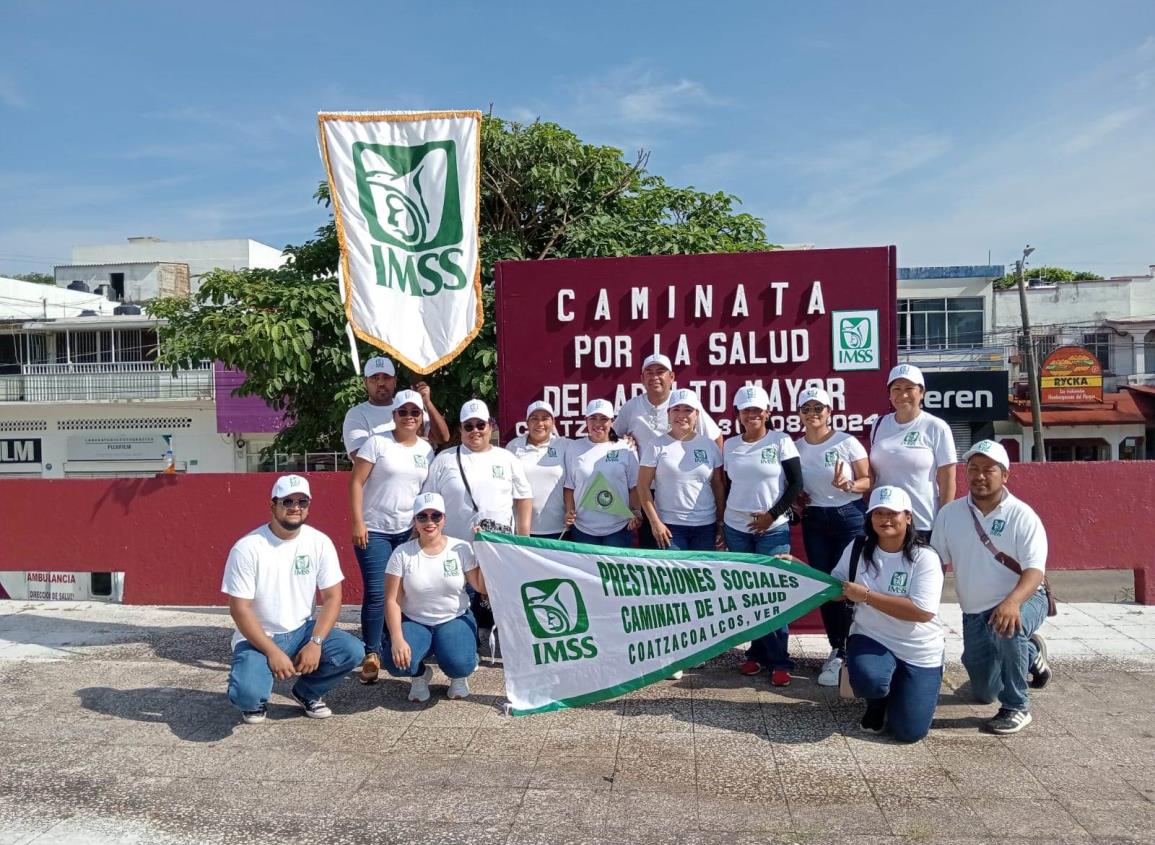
316 640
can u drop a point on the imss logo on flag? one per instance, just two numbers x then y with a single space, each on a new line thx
405 195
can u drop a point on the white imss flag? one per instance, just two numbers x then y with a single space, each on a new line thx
405 187
584 623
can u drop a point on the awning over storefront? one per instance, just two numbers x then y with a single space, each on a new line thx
1116 409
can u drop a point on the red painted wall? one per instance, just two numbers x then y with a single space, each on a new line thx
170 535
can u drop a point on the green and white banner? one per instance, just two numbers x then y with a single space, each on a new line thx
585 623
405 189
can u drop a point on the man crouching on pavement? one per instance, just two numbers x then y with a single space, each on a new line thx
998 547
272 577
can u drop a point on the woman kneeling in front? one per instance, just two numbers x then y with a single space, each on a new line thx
895 650
426 606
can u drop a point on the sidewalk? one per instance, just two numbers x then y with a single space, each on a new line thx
114 728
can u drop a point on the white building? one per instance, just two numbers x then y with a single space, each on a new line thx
145 267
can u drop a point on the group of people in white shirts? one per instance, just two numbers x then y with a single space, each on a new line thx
883 521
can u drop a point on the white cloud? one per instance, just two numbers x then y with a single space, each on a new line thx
1098 131
636 95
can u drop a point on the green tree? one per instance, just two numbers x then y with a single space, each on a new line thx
36 278
1047 276
544 194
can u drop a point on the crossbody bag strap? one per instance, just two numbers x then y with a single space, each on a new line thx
855 557
1002 557
465 481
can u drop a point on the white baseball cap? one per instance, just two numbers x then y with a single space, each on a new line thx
658 358
429 502
814 394
995 451
474 409
891 498
408 397
599 406
288 484
751 396
539 405
379 364
907 371
683 396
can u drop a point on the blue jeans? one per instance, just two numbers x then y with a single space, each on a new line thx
692 538
453 642
826 532
911 692
251 680
372 561
998 666
772 650
620 539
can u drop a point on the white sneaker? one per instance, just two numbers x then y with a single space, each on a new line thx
419 685
828 677
677 676
458 688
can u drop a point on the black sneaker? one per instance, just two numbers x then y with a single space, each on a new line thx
874 719
1008 721
254 717
1040 672
315 709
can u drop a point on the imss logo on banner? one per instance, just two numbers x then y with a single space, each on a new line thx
855 339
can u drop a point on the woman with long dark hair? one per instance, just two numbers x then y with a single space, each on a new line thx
895 650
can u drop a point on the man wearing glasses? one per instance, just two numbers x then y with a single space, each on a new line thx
272 577
375 416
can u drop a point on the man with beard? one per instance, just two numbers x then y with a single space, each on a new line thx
272 578
375 415
998 547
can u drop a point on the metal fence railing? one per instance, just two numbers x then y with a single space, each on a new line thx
105 382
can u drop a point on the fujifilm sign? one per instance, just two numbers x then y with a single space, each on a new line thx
979 396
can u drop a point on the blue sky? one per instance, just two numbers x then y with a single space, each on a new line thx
950 130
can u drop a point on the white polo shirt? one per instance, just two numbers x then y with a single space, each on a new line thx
757 479
496 478
818 461
920 580
646 423
683 470
363 421
545 468
281 576
909 455
617 464
1014 529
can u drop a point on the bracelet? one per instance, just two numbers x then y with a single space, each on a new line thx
864 598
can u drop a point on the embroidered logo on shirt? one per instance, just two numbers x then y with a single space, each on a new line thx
700 456
898 583
450 567
550 452
499 472
302 564
911 439
770 454
830 458
419 461
612 457
997 527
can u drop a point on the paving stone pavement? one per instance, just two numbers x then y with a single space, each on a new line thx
114 728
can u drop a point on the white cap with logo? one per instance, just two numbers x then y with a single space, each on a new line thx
408 397
379 364
599 406
474 409
751 396
989 448
539 405
814 394
907 371
658 358
684 396
288 484
429 502
892 498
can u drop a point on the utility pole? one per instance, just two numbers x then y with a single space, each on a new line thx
1039 453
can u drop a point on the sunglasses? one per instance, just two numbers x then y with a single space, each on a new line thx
429 517
288 503
472 426
408 412
811 409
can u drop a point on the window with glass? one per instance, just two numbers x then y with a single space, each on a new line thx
956 323
1099 345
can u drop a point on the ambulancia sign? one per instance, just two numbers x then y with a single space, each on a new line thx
1071 374
574 330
